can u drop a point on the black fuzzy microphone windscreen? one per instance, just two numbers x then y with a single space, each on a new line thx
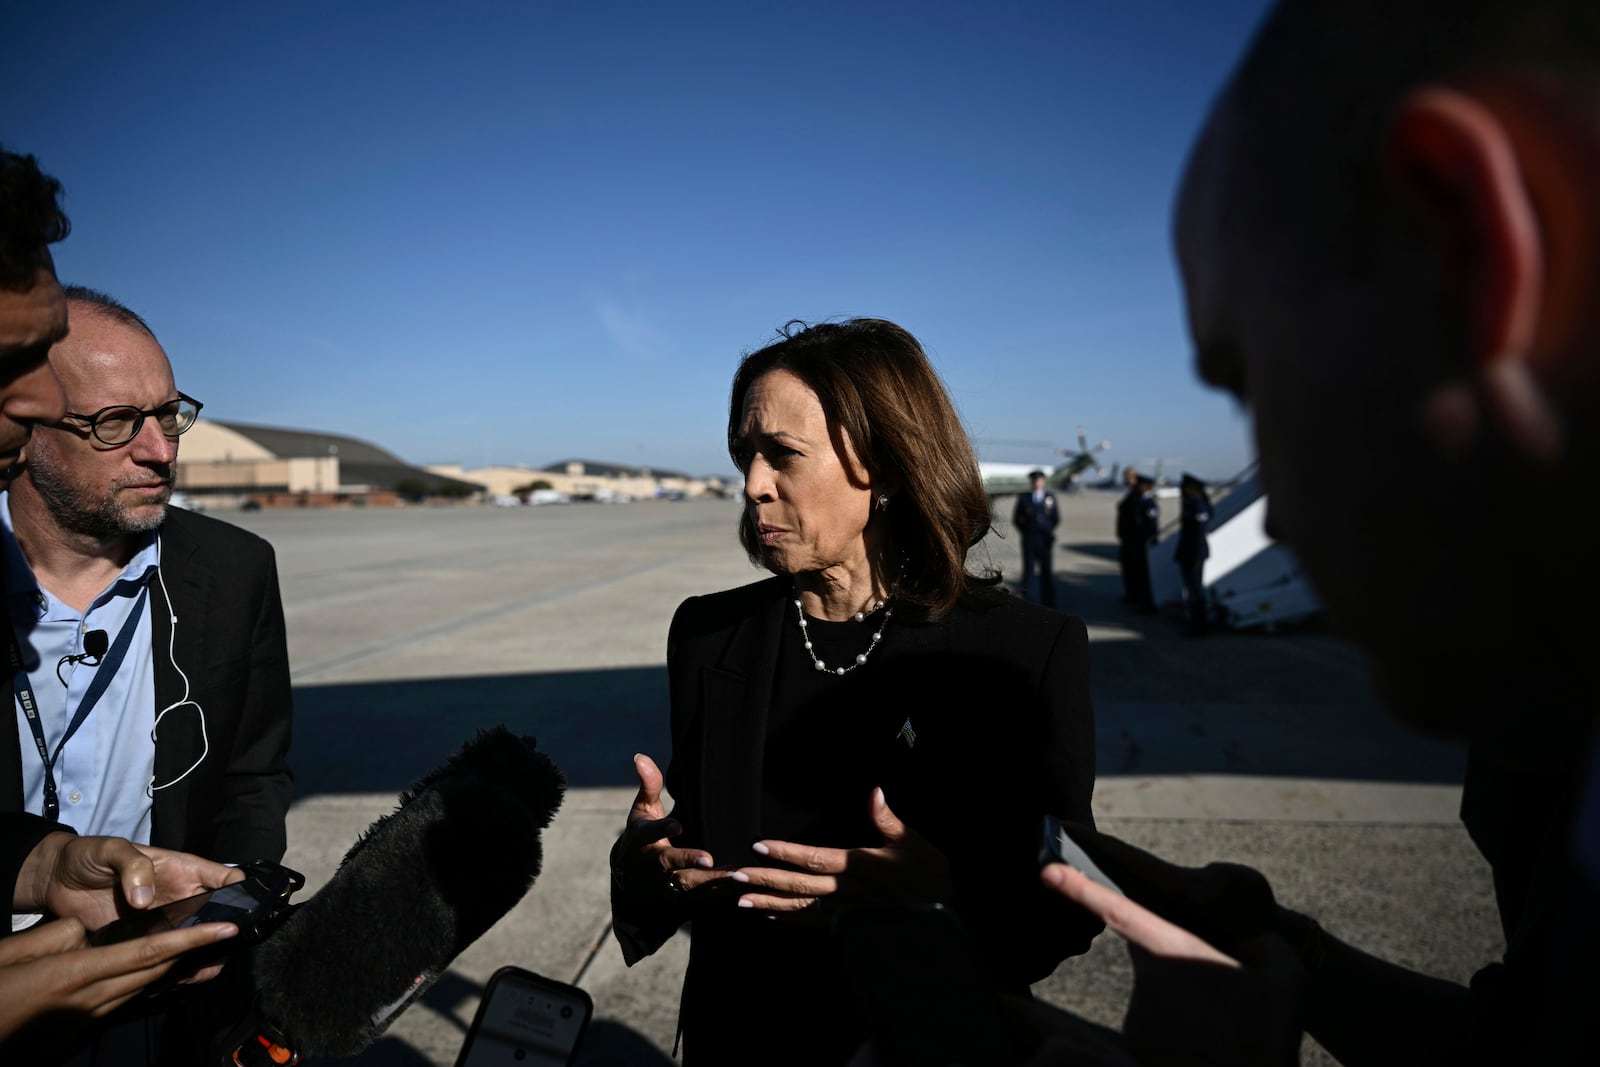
419 886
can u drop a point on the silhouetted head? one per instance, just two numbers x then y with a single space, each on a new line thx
1388 234
33 313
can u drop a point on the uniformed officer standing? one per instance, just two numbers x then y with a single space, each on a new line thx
1138 523
1035 518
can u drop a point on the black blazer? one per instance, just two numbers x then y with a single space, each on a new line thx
998 694
230 642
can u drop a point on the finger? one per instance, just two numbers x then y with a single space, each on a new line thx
45 939
807 857
641 832
648 799
135 874
689 879
778 904
673 859
1137 924
114 974
790 883
183 874
887 822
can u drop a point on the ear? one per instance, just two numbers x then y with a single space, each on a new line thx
1456 160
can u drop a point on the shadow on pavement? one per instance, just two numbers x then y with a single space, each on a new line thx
379 737
1295 703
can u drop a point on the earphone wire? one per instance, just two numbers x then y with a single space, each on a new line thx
172 644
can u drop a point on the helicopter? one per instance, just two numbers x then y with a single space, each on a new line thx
1063 473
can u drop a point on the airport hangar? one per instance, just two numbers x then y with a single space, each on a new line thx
227 464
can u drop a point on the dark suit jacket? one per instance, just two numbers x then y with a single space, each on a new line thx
999 697
230 642
1036 522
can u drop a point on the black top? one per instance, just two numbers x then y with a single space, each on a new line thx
997 696
841 722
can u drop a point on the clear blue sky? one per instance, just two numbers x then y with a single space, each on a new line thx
515 233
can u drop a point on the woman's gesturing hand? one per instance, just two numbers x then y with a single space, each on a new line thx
905 869
644 861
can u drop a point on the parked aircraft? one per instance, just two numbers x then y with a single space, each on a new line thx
1003 478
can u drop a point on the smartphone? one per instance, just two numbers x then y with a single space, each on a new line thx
526 1020
1059 847
256 905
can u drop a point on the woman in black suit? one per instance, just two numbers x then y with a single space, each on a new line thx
874 725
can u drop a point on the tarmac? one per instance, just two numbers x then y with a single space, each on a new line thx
409 628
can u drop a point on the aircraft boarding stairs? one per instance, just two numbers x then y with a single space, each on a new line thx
1250 579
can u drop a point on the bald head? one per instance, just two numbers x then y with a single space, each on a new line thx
1388 232
75 485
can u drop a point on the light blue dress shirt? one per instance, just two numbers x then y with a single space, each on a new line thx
103 773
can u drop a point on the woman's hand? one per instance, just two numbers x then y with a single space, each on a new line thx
51 969
95 879
643 861
905 869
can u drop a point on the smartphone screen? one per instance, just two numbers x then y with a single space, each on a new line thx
254 904
526 1020
231 903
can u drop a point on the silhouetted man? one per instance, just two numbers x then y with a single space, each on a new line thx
1391 222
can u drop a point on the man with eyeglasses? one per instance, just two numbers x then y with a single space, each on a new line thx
155 701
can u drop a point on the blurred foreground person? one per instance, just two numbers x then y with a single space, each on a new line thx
1390 241
50 970
875 726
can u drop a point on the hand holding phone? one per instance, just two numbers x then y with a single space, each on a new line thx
256 905
526 1020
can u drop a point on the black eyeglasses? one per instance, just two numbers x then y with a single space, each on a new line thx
121 423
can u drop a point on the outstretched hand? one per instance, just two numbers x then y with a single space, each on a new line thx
644 860
1137 924
1191 1000
905 869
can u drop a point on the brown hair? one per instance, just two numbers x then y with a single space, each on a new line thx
878 388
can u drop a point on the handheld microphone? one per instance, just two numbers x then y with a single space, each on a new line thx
418 887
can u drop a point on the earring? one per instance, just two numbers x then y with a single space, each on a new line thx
883 501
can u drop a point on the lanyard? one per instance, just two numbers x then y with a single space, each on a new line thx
104 673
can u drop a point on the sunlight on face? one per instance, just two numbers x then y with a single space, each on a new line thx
807 494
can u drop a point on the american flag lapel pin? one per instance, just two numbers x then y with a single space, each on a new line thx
907 734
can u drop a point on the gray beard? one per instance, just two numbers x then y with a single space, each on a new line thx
75 511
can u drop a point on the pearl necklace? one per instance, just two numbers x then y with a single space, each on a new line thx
860 616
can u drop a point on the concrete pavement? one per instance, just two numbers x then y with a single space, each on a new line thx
409 628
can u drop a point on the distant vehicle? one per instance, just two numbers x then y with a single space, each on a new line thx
548 496
184 501
507 500
251 504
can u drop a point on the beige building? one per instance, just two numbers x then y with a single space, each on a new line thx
227 463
